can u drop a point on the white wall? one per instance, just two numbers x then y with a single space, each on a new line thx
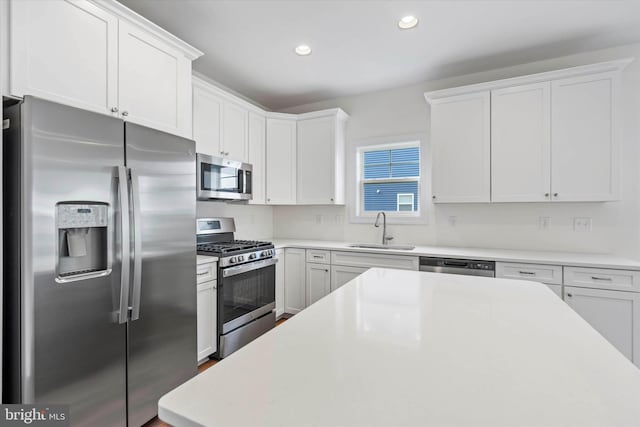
616 225
252 222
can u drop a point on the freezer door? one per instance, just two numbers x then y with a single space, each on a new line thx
73 347
162 329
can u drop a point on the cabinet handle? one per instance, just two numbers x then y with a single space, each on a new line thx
203 274
326 271
433 197
331 199
546 194
268 200
608 279
529 273
555 194
114 109
222 152
569 295
317 256
125 113
226 153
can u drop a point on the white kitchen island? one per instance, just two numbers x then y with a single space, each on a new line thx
404 348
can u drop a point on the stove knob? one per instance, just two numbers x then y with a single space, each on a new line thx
252 256
241 258
270 251
263 253
233 260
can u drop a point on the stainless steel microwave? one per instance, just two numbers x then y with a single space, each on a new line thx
223 179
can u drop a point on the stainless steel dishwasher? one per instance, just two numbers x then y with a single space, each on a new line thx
465 267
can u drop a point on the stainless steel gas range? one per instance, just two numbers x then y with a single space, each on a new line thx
246 283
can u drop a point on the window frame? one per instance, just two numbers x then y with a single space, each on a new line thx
360 215
413 201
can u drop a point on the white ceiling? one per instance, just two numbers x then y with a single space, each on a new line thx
357 47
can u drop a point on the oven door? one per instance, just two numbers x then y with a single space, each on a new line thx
246 292
220 178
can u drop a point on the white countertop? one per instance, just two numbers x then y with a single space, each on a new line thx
405 348
506 255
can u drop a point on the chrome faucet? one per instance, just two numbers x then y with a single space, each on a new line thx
385 238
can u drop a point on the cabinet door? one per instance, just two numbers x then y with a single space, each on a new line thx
612 313
584 149
235 129
64 51
280 283
207 121
461 150
521 143
294 280
316 161
257 151
155 82
341 275
318 282
207 319
281 161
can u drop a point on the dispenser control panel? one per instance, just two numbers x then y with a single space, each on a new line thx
80 216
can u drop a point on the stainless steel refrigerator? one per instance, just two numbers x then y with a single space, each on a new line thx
100 263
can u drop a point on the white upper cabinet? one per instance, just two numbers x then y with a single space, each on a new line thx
461 150
101 56
64 51
553 137
521 143
584 147
257 156
320 163
207 119
220 122
235 130
281 161
155 82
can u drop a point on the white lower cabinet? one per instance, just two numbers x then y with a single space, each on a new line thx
318 282
557 289
295 299
280 283
207 318
614 314
342 274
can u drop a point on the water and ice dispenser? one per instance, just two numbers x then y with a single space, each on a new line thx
83 240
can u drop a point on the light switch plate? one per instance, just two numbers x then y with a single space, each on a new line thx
543 222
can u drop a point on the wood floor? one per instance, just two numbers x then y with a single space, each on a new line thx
157 422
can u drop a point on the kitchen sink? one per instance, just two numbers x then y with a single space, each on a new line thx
381 246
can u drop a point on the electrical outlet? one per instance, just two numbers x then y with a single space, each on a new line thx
318 219
453 220
339 219
543 222
582 224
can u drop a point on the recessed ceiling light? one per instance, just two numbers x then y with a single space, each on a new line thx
303 50
407 22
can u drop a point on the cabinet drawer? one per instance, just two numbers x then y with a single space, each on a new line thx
318 256
599 278
363 259
206 272
550 274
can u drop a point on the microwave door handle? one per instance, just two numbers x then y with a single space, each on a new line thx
125 241
240 181
137 246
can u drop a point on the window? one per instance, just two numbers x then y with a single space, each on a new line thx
389 179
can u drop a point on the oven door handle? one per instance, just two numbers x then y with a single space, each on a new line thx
234 271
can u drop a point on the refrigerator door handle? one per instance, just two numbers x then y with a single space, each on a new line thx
137 246
125 242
